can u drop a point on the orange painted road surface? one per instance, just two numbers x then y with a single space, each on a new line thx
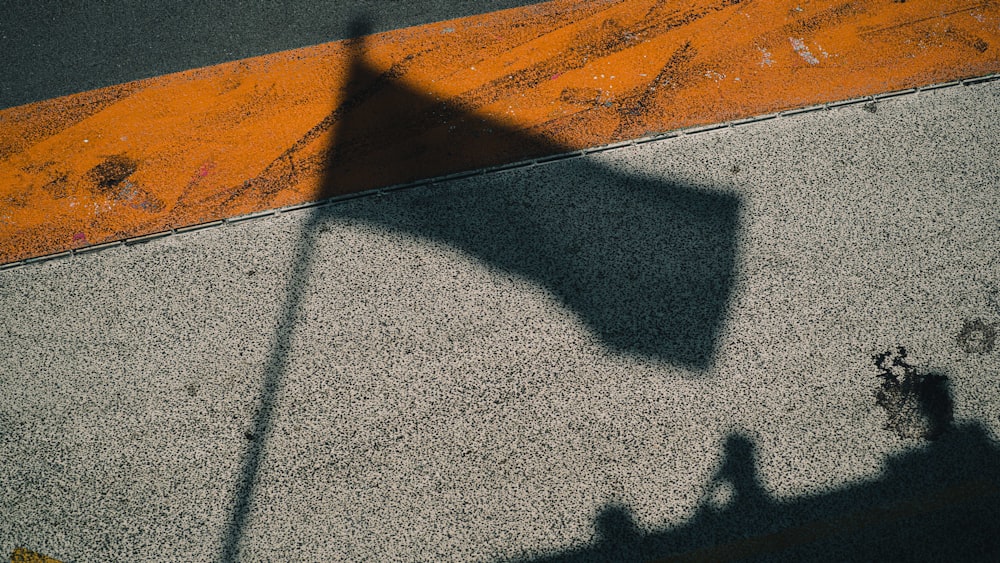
343 117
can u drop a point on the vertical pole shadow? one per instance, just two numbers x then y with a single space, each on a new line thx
359 82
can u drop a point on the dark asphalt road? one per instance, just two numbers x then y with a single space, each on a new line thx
57 47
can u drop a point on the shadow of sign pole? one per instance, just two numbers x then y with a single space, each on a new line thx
277 364
645 264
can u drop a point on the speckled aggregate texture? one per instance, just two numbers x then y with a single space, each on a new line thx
472 371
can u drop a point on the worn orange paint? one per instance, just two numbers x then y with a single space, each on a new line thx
21 555
414 103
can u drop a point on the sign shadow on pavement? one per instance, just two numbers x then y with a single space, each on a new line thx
647 265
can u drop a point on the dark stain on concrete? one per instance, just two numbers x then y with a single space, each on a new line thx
918 405
977 336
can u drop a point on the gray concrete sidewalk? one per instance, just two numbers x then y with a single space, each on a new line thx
483 369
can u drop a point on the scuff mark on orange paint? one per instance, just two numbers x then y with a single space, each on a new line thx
803 51
205 169
113 170
254 134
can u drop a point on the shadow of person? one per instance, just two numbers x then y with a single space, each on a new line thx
617 536
736 487
939 501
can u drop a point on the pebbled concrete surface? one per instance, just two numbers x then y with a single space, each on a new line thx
431 399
